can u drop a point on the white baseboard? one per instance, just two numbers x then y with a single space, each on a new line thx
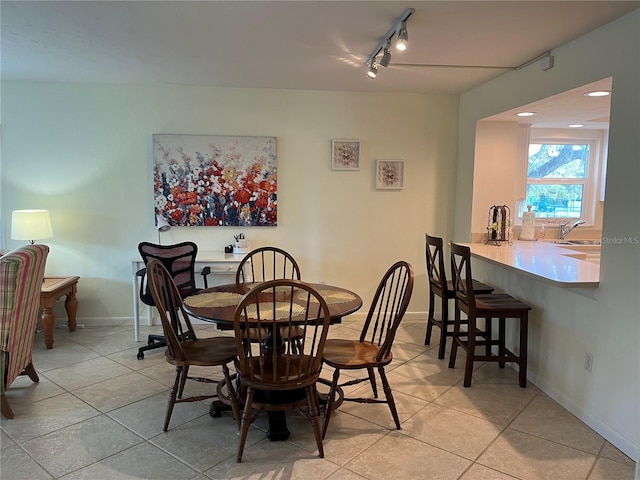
622 443
101 322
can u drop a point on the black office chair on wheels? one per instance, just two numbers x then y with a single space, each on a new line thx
180 261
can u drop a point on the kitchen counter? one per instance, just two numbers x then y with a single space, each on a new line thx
556 264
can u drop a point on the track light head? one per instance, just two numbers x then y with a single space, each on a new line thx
403 37
399 30
373 70
386 56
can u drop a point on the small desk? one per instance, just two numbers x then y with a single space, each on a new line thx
341 302
52 289
223 269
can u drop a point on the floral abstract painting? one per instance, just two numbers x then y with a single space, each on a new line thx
207 180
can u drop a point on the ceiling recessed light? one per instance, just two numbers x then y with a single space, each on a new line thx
526 114
576 125
598 93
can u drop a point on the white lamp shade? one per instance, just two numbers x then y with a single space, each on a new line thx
162 224
31 225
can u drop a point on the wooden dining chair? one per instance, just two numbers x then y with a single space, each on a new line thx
267 263
276 376
442 288
487 306
184 348
373 349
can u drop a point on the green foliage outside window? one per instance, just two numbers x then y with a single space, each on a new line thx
556 177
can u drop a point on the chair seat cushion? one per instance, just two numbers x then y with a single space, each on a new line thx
147 299
206 351
499 301
478 287
284 377
343 353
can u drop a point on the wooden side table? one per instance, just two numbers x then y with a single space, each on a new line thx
52 289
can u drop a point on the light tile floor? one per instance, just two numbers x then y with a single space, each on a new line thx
97 413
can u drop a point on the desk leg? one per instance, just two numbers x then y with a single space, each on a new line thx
48 324
136 311
71 306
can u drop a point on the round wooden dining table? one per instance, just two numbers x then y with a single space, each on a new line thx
218 305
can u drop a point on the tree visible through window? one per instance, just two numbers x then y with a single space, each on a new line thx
557 176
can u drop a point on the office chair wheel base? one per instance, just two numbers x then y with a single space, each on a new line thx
140 355
216 407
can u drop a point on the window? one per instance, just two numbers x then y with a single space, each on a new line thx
561 178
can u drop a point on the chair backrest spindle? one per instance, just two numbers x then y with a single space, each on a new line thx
388 307
267 263
176 324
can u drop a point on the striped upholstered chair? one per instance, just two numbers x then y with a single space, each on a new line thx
21 274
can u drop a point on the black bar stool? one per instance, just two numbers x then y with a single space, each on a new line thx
438 285
488 306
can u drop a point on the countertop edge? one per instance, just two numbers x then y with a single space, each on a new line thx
527 251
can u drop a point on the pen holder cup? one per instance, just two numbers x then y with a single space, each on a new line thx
242 246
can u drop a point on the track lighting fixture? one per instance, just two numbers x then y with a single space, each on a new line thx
386 56
399 29
373 70
403 37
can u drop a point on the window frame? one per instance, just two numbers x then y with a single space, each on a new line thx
594 174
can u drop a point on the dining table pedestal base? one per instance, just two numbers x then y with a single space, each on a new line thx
278 431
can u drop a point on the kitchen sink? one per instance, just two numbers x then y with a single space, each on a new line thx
577 242
583 242
593 257
584 246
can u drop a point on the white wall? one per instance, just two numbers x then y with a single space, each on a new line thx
495 171
84 152
566 323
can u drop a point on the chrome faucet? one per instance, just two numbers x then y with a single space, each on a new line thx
564 230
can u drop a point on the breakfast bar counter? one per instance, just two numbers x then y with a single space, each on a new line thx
557 264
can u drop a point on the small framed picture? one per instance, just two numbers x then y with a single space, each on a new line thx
389 174
345 154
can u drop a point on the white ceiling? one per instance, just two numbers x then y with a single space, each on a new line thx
309 45
564 109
